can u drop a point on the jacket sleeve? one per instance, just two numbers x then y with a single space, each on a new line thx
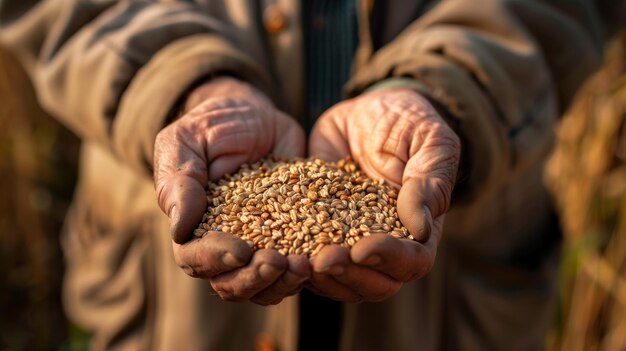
505 70
113 70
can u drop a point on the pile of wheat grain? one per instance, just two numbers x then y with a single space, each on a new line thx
300 206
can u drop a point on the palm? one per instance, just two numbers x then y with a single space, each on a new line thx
231 125
397 136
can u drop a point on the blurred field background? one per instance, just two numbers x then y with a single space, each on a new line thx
37 175
587 173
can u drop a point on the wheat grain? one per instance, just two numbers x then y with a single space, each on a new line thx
300 206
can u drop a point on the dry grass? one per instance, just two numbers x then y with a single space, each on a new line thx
588 177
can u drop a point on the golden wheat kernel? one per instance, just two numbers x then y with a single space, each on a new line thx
299 206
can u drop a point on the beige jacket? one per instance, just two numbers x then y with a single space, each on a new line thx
113 70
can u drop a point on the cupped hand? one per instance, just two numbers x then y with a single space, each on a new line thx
225 124
398 136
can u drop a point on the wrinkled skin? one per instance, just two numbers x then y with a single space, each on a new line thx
396 135
225 124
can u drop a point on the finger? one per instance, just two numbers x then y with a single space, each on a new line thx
373 285
369 283
327 286
180 180
328 139
234 136
223 137
389 134
184 201
332 260
290 138
402 259
298 271
241 284
420 201
330 256
211 255
430 173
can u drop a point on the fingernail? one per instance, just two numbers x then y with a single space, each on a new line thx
230 260
267 271
373 260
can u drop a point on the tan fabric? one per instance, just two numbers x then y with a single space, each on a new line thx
113 70
121 281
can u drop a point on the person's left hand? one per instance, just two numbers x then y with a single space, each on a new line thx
398 136
226 123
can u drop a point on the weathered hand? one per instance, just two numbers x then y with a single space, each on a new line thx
226 123
396 135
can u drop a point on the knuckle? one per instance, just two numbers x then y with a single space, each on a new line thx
251 278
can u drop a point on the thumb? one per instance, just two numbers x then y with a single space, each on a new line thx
290 140
328 139
180 176
184 201
428 179
420 202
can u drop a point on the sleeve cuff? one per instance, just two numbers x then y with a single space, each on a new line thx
155 90
451 91
400 82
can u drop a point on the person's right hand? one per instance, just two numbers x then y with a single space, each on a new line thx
396 135
226 123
